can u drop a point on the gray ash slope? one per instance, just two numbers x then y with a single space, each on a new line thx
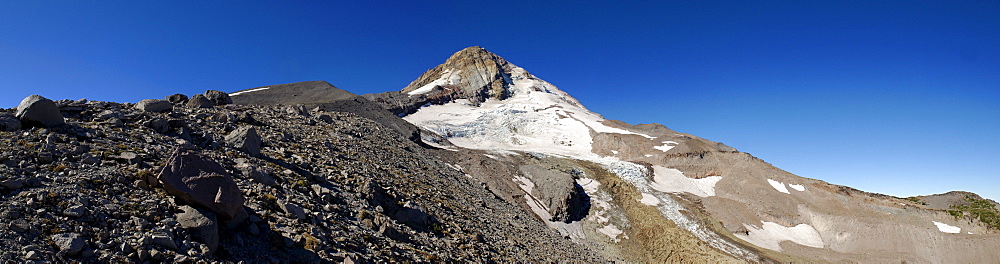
324 94
327 187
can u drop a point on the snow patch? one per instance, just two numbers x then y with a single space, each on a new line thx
611 231
648 155
778 185
673 180
537 117
946 228
614 152
770 234
667 145
447 78
649 199
249 91
797 187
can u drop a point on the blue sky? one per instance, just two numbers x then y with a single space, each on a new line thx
896 97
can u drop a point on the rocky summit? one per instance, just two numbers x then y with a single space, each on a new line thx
475 161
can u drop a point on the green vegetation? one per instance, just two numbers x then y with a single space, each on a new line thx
915 200
981 209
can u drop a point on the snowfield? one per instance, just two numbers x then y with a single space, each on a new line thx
447 78
770 234
540 118
778 185
249 91
611 231
649 199
946 228
673 180
797 187
667 145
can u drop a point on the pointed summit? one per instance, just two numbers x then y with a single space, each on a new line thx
472 73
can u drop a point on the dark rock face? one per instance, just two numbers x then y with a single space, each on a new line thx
199 101
177 98
202 224
36 110
218 97
196 179
482 75
246 139
9 123
558 191
154 105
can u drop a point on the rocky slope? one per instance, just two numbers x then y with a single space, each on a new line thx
656 195
186 182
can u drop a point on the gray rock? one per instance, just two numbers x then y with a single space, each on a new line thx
258 176
196 179
33 255
218 97
412 215
90 159
201 224
154 105
68 243
246 139
199 101
558 191
158 124
44 157
36 110
177 98
20 225
129 157
163 240
74 211
293 210
9 123
12 184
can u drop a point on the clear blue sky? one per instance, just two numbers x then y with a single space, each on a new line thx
901 98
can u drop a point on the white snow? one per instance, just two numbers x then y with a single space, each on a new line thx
648 155
649 199
447 78
589 185
248 91
778 185
611 231
797 187
524 183
770 234
614 152
947 228
538 117
667 145
673 180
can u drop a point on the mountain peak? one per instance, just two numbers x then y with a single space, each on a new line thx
472 73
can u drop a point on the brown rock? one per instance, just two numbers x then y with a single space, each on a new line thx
196 179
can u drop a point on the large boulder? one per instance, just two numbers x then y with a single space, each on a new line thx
177 98
558 192
198 180
246 139
69 244
201 224
218 97
154 105
36 110
199 101
9 123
